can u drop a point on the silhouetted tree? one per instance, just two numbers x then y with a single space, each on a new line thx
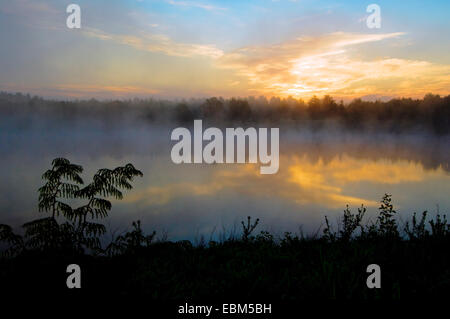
314 108
239 110
79 229
212 108
396 115
183 113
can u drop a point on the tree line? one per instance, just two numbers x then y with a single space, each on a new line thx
432 113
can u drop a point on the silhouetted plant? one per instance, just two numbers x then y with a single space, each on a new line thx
350 222
106 183
45 233
131 241
78 231
328 233
417 230
14 241
289 239
249 228
439 227
387 226
62 181
264 236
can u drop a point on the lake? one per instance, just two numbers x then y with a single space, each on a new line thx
320 172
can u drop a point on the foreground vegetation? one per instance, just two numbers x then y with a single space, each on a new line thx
414 260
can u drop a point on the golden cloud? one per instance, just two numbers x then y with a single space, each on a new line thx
323 65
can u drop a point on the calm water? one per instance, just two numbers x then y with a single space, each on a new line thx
319 174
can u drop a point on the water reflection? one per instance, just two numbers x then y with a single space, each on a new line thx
319 174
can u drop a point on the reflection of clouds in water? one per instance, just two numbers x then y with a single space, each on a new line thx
329 183
319 173
302 181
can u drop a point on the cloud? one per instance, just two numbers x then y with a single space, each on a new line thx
35 14
115 91
26 8
43 15
82 90
156 43
325 64
195 5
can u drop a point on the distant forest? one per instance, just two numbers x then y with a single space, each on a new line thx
432 113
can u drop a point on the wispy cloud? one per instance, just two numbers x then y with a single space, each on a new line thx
26 8
82 90
157 43
42 14
196 5
35 14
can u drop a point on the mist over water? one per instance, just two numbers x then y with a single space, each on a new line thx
320 172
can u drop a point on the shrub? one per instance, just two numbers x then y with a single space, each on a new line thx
79 230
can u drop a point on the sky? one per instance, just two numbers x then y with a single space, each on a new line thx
200 48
